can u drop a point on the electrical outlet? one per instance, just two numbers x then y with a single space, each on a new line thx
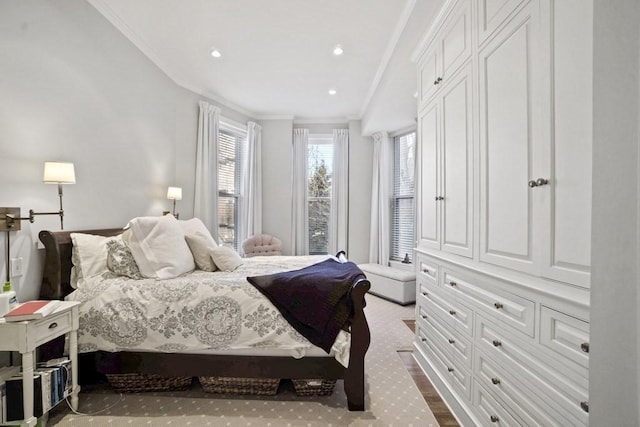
16 267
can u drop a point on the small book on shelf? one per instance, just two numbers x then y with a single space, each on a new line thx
30 310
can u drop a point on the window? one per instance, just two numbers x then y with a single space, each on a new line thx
319 178
231 147
402 226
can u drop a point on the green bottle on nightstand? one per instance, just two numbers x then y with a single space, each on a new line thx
8 300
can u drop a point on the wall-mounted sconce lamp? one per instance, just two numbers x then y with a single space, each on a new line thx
54 173
174 193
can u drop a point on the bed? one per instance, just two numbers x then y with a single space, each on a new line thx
255 362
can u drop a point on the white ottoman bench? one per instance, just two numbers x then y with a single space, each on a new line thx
391 283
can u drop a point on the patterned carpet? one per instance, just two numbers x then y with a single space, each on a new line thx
392 397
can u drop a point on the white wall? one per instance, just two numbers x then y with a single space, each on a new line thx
615 300
73 88
277 139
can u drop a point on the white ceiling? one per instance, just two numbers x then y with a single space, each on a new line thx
277 58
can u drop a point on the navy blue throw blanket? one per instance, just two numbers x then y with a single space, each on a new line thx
314 300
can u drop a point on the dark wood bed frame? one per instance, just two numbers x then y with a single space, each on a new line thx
56 285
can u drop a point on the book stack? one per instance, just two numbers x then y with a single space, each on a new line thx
51 384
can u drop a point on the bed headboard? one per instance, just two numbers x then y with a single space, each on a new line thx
57 260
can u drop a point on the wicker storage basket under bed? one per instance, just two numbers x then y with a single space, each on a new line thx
233 385
138 383
314 387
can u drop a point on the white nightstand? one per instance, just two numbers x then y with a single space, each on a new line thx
25 336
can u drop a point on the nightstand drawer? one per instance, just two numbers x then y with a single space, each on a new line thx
51 326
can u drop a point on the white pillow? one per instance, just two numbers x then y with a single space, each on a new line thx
158 246
226 258
200 247
194 226
89 257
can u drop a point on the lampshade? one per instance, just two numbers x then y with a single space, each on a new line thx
59 173
174 193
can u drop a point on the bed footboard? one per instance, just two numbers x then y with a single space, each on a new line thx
354 386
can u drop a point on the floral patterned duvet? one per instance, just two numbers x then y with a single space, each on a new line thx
199 311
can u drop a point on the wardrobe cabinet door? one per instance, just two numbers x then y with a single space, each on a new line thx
506 146
429 188
457 164
567 254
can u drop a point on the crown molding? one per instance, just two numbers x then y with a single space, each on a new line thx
388 52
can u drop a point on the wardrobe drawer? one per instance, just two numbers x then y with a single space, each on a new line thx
516 393
427 270
489 410
511 309
566 335
449 368
563 389
449 341
452 312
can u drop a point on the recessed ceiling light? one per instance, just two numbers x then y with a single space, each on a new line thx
215 53
337 51
332 92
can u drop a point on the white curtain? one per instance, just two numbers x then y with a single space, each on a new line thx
338 224
380 199
205 202
299 208
251 184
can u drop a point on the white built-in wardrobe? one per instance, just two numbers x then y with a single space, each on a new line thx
503 210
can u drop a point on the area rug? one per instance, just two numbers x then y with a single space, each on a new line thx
392 397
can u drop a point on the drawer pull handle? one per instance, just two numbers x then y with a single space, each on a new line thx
497 343
584 406
452 283
451 341
494 419
425 270
450 369
497 305
585 347
495 381
452 312
53 325
423 339
424 316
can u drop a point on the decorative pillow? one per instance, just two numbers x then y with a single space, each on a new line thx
89 256
194 226
200 247
120 260
225 258
159 247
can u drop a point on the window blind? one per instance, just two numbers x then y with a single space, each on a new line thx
403 215
319 179
231 148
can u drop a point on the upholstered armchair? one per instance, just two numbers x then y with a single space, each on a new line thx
262 245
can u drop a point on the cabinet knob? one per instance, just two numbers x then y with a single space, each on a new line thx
423 316
452 312
451 341
585 347
494 419
450 369
497 343
423 339
538 182
439 198
584 406
497 305
495 381
425 294
425 270
452 283
437 81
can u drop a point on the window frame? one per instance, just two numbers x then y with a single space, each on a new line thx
400 246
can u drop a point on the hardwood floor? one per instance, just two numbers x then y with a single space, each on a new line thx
431 396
